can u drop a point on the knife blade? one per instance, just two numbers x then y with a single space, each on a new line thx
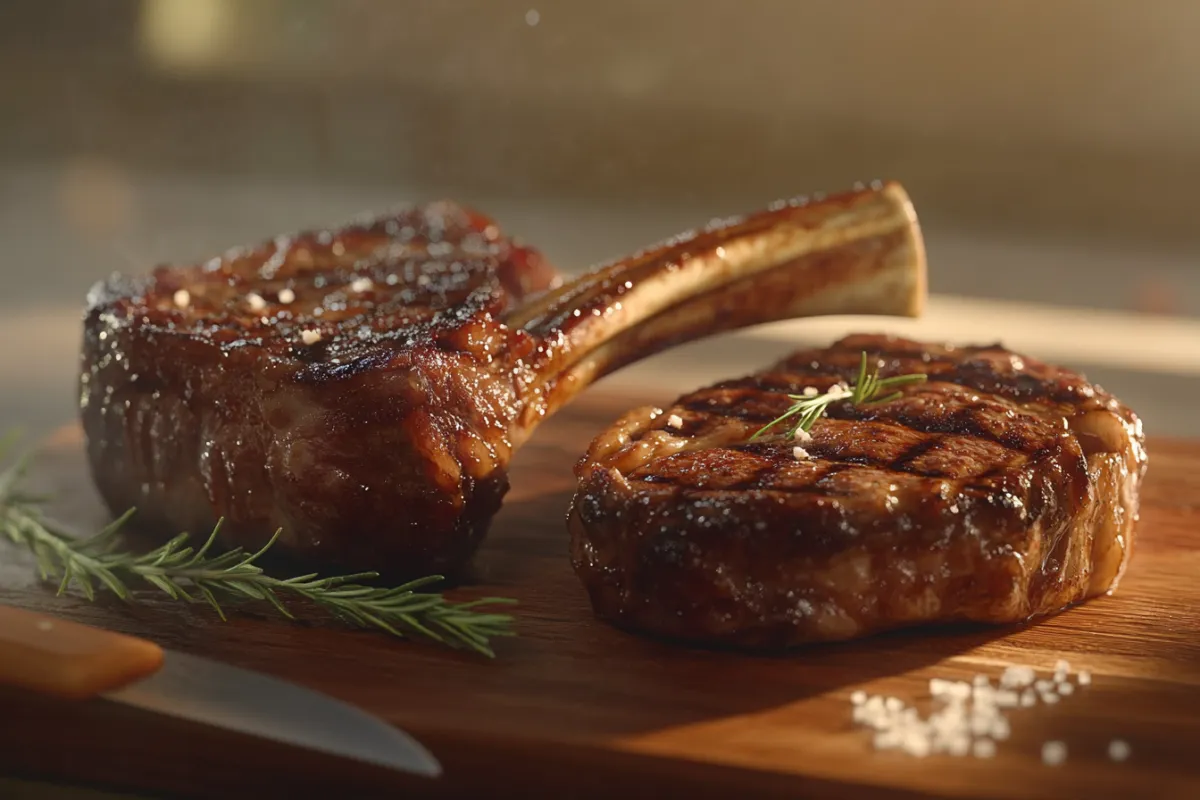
73 661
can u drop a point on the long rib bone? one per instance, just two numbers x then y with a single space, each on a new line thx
855 253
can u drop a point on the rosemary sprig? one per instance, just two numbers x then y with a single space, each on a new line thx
184 573
808 408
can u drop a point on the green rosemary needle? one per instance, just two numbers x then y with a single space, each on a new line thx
806 409
184 573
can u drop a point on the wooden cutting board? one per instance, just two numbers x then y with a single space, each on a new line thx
573 707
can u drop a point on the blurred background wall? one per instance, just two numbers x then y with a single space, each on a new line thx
1052 149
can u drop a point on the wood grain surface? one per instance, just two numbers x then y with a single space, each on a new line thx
573 707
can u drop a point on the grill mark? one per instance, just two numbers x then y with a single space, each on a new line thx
913 452
768 388
962 423
735 400
959 493
779 458
962 420
767 450
475 266
897 354
834 469
756 480
979 375
963 366
985 485
721 403
803 489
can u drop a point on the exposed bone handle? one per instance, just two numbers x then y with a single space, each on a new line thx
858 252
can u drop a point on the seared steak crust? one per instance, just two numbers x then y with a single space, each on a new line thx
335 384
1000 489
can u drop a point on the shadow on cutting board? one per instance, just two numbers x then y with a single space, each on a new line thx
565 663
568 682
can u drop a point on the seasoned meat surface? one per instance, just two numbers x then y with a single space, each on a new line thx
333 384
999 489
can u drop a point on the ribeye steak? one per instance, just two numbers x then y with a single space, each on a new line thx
363 389
999 489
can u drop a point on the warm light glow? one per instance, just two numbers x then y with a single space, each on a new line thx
1114 339
95 197
186 33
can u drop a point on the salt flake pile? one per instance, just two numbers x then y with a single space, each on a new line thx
969 718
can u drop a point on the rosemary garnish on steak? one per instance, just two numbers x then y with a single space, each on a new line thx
198 576
807 408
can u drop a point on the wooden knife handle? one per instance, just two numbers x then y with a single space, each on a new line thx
68 660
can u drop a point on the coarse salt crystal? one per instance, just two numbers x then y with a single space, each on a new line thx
917 746
286 296
310 336
1118 750
361 284
943 740
985 712
1054 753
799 453
960 690
182 298
802 435
674 421
1017 676
968 717
1066 688
1062 666
984 748
810 391
1001 729
949 720
1084 677
255 301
